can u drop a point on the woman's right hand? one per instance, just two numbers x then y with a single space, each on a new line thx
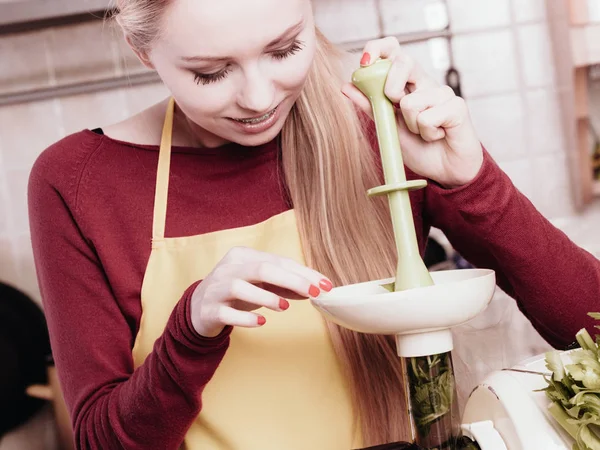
246 280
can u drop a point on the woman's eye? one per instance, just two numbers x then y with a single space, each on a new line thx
207 78
292 50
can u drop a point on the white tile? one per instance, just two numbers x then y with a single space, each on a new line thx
529 10
553 195
26 130
579 46
427 54
93 110
519 172
8 264
592 35
347 21
141 97
487 62
594 10
411 16
94 56
17 200
470 15
535 50
23 63
500 125
4 210
546 134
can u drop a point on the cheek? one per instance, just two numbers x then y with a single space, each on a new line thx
291 75
203 101
196 100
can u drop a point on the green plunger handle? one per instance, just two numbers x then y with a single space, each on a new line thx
411 272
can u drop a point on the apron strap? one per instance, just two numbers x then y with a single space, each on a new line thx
162 175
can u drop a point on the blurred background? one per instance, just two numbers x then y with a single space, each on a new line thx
529 70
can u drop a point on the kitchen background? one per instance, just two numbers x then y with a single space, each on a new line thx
526 71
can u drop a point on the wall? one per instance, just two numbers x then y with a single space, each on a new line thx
501 48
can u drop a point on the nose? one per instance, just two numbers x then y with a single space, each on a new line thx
258 91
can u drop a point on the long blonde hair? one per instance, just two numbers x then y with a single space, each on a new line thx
328 166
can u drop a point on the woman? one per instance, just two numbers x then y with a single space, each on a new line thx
150 356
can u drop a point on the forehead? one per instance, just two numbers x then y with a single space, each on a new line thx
228 27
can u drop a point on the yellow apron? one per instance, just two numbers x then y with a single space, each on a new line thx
279 387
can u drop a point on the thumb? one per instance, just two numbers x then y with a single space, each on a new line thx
358 98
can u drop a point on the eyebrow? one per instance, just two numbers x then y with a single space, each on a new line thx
278 40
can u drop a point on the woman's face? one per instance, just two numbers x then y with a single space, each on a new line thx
235 67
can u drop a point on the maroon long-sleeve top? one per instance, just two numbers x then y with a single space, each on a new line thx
90 203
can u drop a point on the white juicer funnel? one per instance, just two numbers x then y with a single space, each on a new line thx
420 318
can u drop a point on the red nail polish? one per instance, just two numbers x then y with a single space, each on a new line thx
283 304
314 291
365 60
326 285
261 321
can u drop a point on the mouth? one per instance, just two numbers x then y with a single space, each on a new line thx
257 120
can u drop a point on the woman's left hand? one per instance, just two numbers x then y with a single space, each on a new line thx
436 134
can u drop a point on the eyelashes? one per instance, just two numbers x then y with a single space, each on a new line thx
292 50
208 78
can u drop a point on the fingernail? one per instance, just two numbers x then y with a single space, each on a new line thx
261 321
365 60
283 304
326 285
314 291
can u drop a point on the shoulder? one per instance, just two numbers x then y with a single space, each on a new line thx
85 155
59 165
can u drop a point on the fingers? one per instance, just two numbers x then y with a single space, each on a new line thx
277 270
249 293
414 104
266 272
316 278
379 48
235 288
227 315
404 76
434 122
401 72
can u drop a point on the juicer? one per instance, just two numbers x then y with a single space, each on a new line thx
420 309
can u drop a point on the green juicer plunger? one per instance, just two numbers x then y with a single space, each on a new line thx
429 378
411 272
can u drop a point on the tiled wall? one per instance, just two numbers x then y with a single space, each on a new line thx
502 52
501 49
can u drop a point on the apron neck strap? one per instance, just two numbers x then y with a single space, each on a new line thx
162 175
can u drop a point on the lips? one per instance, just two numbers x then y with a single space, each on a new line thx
256 120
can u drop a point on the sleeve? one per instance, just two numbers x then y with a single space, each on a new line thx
493 225
112 406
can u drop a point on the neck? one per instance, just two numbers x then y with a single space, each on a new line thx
188 134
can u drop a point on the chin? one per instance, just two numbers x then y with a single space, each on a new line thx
258 139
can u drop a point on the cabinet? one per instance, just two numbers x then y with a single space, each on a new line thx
575 32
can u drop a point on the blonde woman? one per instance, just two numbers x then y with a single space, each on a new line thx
169 246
